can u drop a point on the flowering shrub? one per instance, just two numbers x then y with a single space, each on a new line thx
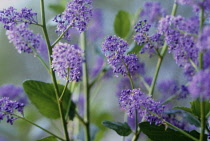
150 106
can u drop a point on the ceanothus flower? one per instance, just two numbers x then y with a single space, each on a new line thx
168 87
96 26
132 100
114 48
8 108
204 39
24 39
142 37
76 15
171 87
10 17
152 11
114 45
199 86
67 61
13 92
178 32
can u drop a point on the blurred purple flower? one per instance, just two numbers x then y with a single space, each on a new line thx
168 87
98 66
14 93
124 83
204 39
199 86
152 11
95 29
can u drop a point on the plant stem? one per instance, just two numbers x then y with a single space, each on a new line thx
181 131
136 135
40 127
40 58
202 104
62 94
60 37
44 28
174 127
86 88
80 118
151 90
34 125
161 56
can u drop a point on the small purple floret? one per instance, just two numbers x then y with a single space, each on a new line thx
8 108
67 61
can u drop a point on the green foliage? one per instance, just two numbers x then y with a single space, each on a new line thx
57 8
72 110
136 49
50 138
122 24
100 116
122 129
161 133
186 109
43 96
195 106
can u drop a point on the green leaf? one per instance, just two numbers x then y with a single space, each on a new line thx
72 110
57 8
191 119
136 49
122 129
43 96
186 109
160 133
122 24
50 138
195 106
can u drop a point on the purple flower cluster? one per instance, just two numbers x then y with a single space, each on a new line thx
8 108
96 26
13 92
132 100
178 33
142 37
204 39
24 39
152 11
10 17
199 86
114 48
124 83
168 87
76 15
171 87
67 61
196 4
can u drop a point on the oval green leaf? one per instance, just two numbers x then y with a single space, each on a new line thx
43 96
122 129
122 24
